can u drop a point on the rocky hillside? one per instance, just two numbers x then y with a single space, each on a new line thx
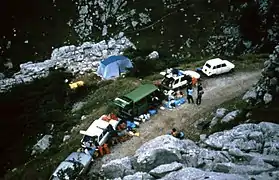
248 151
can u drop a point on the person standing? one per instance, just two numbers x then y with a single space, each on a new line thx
199 94
190 94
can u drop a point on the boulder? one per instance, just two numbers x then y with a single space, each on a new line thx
232 168
77 106
153 55
248 137
161 150
220 112
117 168
247 150
42 144
164 169
194 173
267 98
266 176
249 95
213 122
190 158
139 176
273 81
66 138
202 137
235 152
230 116
83 117
2 76
207 158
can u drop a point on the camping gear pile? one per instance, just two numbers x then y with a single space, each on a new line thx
174 100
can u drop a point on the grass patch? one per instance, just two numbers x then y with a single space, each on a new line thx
107 92
250 61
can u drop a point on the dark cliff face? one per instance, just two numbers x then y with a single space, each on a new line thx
29 29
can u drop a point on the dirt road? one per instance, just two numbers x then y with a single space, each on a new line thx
217 91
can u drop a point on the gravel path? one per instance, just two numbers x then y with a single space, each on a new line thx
217 91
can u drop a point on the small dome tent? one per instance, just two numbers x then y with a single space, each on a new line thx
113 66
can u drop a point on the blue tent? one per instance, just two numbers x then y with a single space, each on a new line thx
113 66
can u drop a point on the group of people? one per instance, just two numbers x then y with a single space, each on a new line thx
189 92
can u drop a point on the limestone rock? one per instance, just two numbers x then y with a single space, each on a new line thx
66 137
153 55
220 112
251 94
230 116
139 176
267 98
266 176
213 122
246 151
117 168
164 169
193 174
232 168
161 150
42 144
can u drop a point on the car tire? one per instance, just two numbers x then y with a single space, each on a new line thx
232 70
213 75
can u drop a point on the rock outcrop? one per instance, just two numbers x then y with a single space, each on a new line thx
267 87
101 16
248 151
74 59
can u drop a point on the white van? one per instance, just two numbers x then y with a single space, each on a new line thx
99 131
179 79
217 66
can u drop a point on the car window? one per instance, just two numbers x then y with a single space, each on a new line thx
224 65
166 81
218 66
184 78
214 67
207 65
176 81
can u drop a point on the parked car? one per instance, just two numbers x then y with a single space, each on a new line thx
175 79
72 167
217 66
99 131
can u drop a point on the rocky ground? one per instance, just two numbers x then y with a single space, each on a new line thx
217 91
248 151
